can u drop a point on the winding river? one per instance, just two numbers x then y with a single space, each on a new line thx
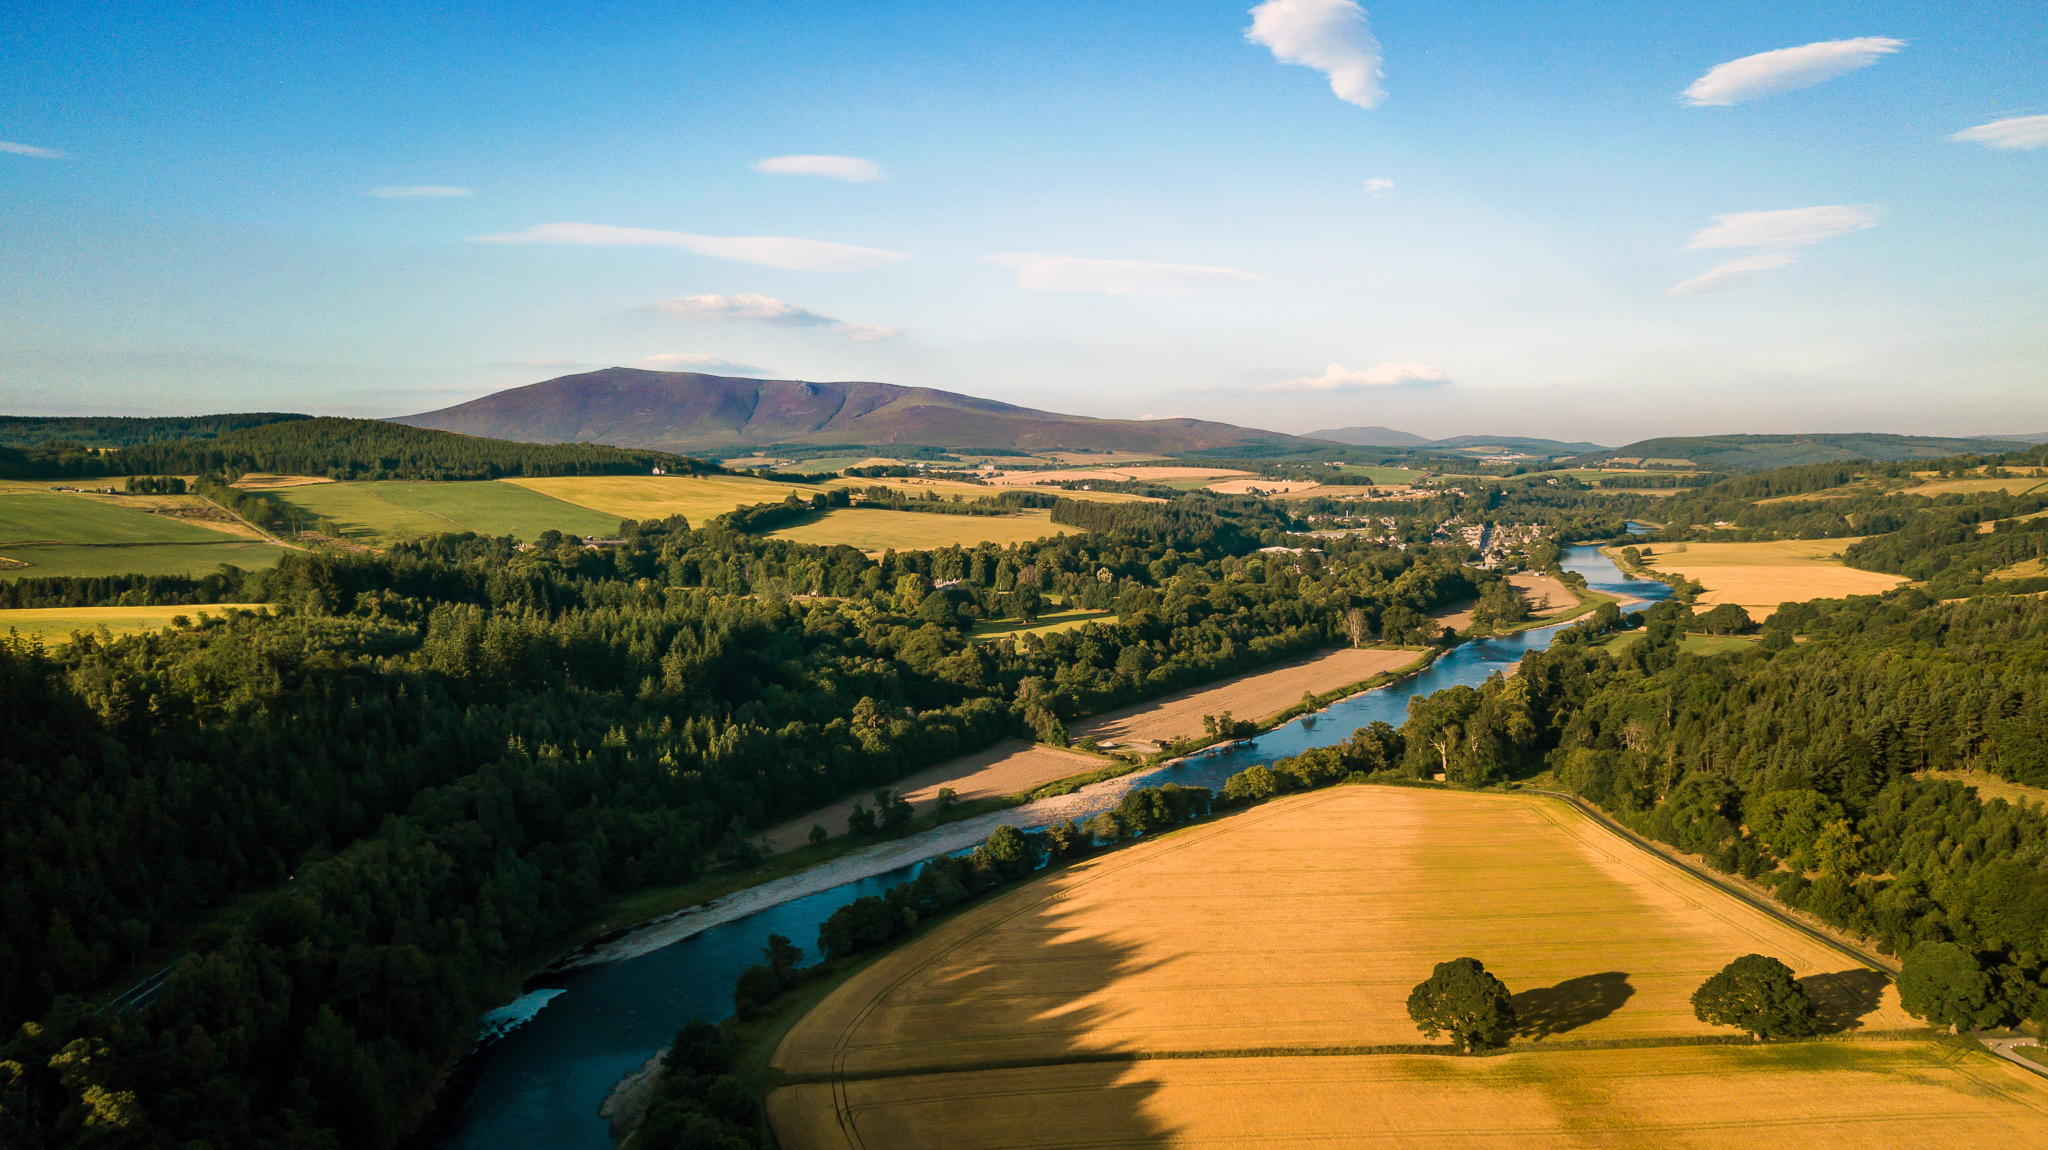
546 1061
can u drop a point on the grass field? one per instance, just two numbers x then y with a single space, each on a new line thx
1759 576
1062 620
1990 786
1387 475
1250 698
389 510
1169 991
55 624
875 531
969 492
145 559
696 498
53 517
1690 644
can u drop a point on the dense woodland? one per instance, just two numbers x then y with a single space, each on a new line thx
337 449
360 814
341 826
104 431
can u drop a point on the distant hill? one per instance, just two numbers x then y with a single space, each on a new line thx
685 411
2033 437
1369 437
124 430
1388 437
1763 452
340 449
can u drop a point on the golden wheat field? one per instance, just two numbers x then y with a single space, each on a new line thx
1759 576
1166 993
874 530
55 624
969 492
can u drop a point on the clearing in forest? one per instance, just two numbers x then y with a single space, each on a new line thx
694 497
383 511
1008 768
1062 619
1065 1012
874 530
1759 576
56 624
1250 698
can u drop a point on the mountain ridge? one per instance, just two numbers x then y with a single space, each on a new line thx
690 411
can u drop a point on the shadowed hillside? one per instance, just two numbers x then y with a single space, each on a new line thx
1765 452
685 411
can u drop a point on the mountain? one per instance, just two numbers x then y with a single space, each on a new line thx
1519 443
1763 452
1388 437
1369 437
684 411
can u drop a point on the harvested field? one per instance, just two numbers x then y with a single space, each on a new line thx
1543 594
2017 485
1759 576
1276 487
1005 769
1846 1095
1114 475
696 498
1219 952
267 481
55 624
874 530
969 492
1250 697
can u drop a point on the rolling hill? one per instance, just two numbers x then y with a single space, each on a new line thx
1763 452
685 411
1388 437
1374 436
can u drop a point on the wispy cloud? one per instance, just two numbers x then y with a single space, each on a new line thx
422 192
768 251
1773 235
1392 373
2019 134
1786 70
1378 186
1038 271
768 309
852 169
684 361
1328 35
14 149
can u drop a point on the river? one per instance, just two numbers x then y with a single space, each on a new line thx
549 1059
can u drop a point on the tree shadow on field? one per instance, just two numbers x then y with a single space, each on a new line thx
1842 999
1570 1004
1007 1038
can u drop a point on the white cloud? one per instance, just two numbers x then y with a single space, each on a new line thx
1773 235
2021 133
1392 373
768 251
1787 69
1378 186
1156 415
1733 274
768 309
1327 35
852 169
1791 228
683 361
31 150
1038 271
422 192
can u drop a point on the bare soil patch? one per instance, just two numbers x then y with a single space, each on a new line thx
1252 697
1005 769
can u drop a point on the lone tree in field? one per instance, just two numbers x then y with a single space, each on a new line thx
1758 994
1944 984
1462 1000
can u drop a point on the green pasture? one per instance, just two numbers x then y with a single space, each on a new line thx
1046 624
1690 644
388 510
57 517
139 559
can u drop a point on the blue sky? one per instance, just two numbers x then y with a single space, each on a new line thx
1448 219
